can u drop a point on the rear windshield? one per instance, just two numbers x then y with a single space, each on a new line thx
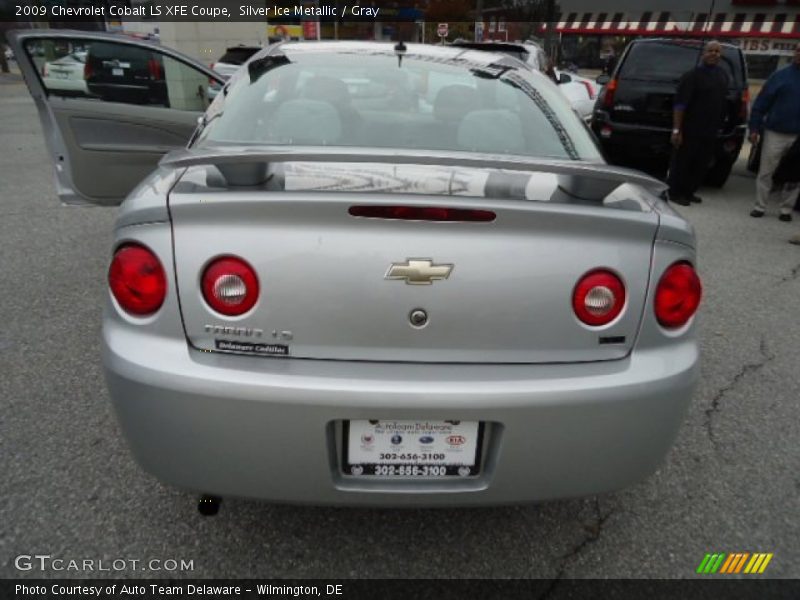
381 100
238 56
667 62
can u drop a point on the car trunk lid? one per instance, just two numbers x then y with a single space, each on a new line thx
338 286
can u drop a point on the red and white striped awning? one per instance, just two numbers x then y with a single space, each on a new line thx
782 25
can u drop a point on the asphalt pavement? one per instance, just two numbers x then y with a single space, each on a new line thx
71 489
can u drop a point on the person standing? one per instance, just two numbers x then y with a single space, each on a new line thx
3 60
697 115
775 120
609 62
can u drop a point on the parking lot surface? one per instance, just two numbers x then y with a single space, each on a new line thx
72 490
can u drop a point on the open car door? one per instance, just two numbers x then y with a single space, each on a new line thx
110 107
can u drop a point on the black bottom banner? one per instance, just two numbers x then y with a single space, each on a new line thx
391 589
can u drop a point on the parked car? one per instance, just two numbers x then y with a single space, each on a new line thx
581 92
65 75
333 295
132 75
228 64
633 113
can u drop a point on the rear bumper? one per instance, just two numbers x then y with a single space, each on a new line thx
271 428
629 141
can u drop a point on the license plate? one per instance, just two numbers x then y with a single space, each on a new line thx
412 449
117 72
59 75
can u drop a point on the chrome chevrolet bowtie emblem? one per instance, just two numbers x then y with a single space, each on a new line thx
418 271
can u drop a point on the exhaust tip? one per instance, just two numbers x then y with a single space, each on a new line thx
209 505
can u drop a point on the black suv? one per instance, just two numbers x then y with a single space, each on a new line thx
125 74
633 114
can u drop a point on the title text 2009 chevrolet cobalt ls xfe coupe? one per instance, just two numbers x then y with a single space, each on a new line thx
377 274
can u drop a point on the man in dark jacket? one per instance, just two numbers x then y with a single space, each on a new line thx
776 117
697 115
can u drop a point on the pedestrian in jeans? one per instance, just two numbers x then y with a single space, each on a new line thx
776 117
697 114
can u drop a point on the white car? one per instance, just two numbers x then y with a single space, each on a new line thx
580 91
66 74
228 64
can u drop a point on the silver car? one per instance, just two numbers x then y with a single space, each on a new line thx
382 274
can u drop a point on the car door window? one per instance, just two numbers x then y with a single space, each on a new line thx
117 72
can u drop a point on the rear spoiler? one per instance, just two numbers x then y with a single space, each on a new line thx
249 166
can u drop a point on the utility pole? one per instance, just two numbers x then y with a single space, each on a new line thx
549 17
478 18
336 22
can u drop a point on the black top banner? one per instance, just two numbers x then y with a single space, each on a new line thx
542 13
78 11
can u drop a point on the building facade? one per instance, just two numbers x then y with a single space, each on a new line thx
766 30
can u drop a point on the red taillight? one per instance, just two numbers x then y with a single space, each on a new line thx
137 280
88 72
155 70
230 286
677 295
589 88
608 94
743 108
598 298
423 213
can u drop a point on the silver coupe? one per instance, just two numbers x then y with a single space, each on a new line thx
373 274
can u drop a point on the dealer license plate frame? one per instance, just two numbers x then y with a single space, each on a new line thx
414 469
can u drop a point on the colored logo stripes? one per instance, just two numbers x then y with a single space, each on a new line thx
737 562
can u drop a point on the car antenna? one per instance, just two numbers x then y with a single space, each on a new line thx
706 26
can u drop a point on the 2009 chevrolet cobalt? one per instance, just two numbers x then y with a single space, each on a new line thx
377 274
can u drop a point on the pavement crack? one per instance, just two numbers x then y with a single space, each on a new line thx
793 274
747 369
592 532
